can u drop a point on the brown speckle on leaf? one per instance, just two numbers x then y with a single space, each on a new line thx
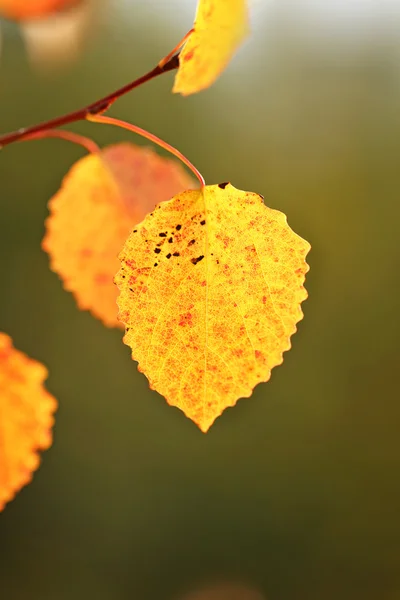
196 260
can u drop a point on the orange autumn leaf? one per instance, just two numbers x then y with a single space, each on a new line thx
210 290
102 197
26 418
219 28
32 9
58 39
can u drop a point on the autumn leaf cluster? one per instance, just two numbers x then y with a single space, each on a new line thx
206 280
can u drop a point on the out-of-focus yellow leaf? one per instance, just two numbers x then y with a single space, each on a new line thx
32 9
219 28
26 418
58 40
102 197
210 289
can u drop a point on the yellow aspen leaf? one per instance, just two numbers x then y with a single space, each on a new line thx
102 197
210 290
26 418
219 28
32 9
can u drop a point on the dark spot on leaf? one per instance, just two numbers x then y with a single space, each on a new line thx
198 259
158 245
135 230
170 240
155 264
203 222
189 55
178 227
191 242
223 185
162 234
157 250
169 255
175 254
217 261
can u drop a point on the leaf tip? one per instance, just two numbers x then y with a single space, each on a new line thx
205 424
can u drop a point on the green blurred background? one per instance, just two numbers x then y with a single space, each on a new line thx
294 492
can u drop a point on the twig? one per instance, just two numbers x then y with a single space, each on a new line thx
95 108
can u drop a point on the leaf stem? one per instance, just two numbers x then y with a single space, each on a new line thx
70 136
150 136
183 41
95 108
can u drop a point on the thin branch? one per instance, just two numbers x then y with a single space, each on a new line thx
150 136
95 108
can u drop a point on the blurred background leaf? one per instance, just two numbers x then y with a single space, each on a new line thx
295 492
